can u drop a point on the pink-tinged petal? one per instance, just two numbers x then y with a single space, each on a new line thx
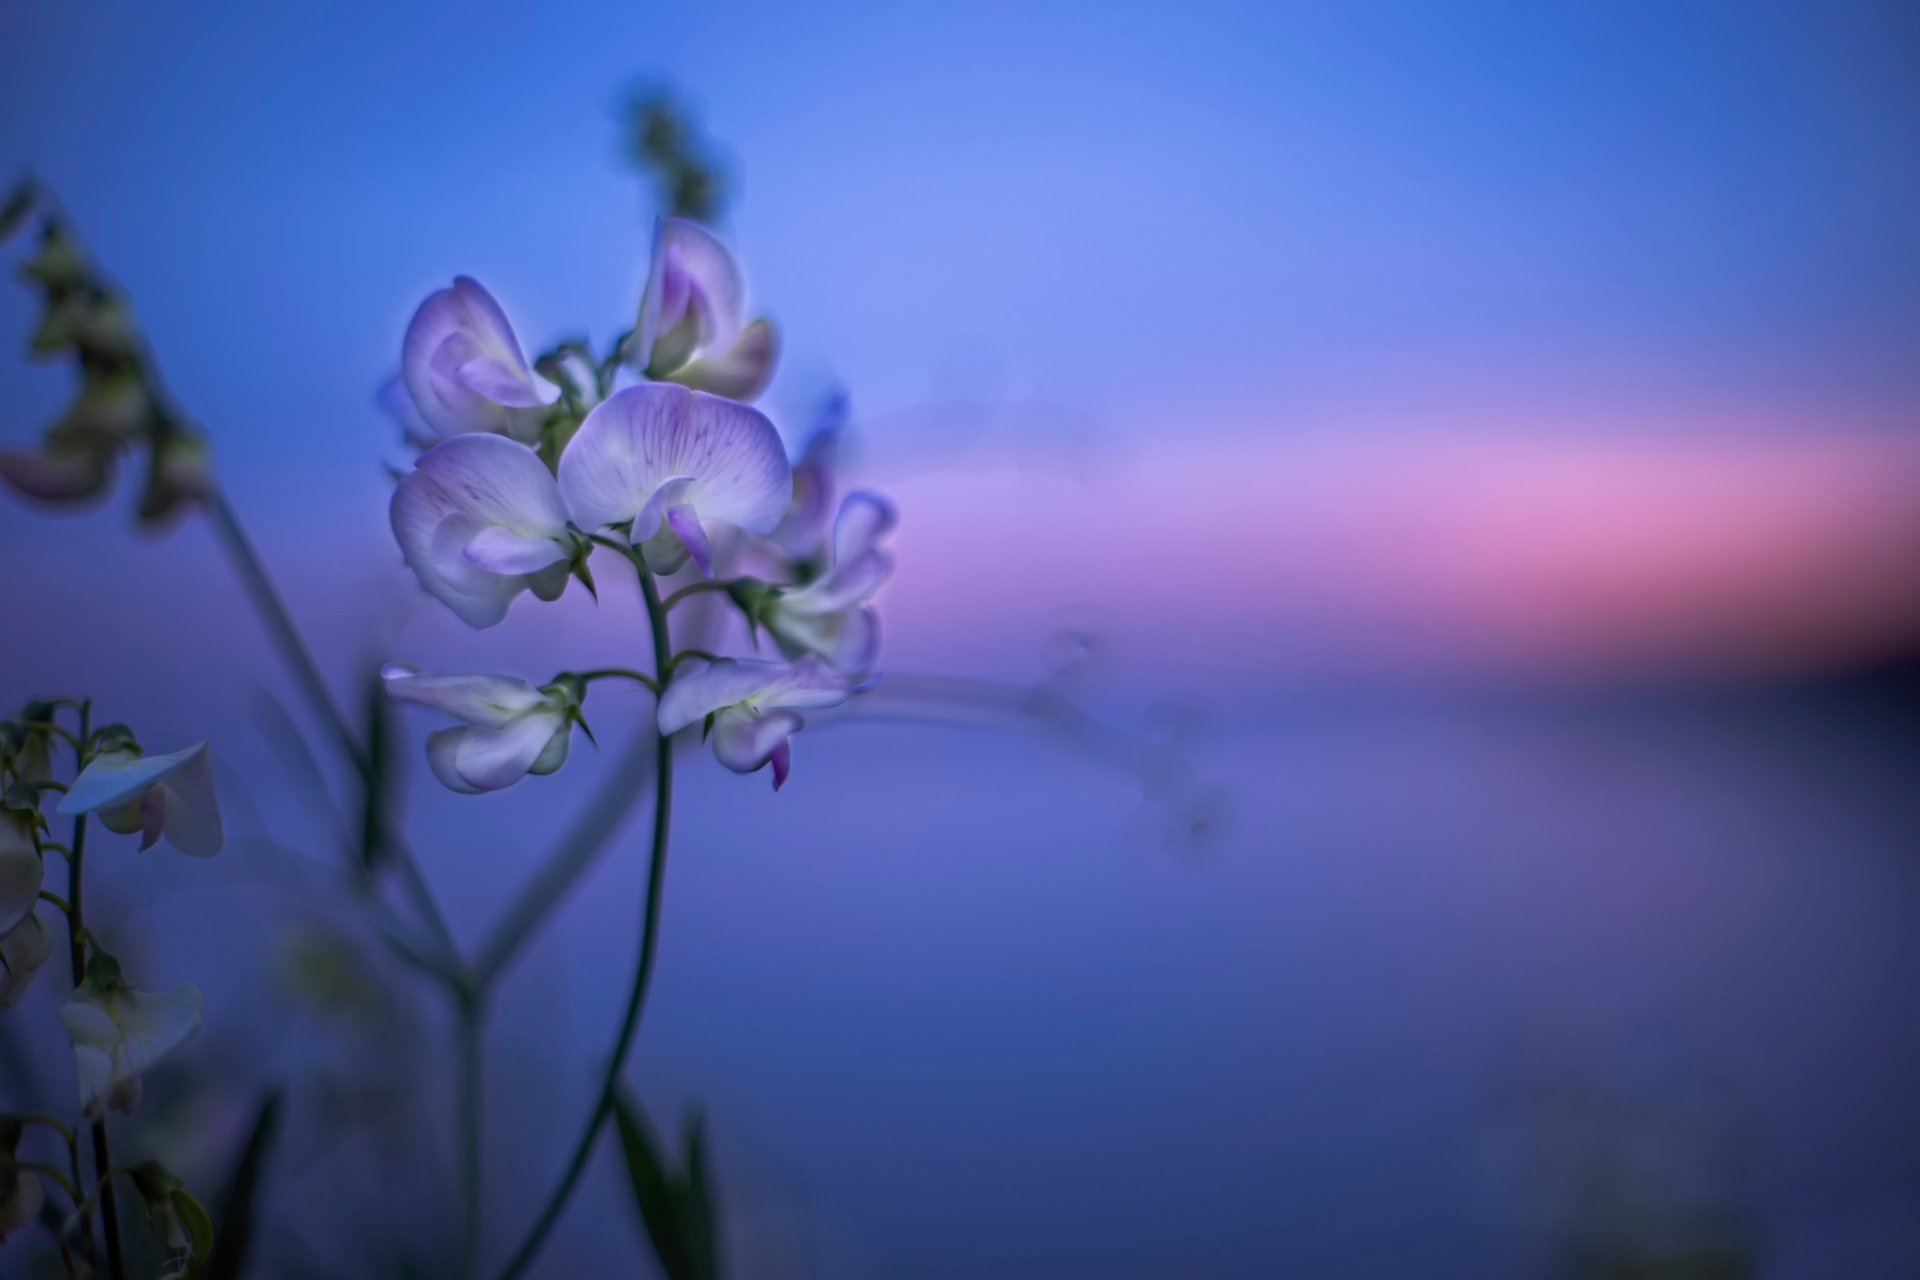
864 519
463 367
685 523
479 698
116 778
499 550
473 760
742 371
59 475
640 438
781 758
744 740
692 271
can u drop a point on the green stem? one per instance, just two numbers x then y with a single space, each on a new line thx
293 650
58 901
643 969
51 1121
473 1013
693 589
624 787
620 673
77 965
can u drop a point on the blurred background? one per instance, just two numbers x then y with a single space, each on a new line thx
1482 436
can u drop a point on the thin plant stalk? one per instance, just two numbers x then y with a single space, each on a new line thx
643 969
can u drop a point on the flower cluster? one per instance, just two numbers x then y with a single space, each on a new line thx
654 452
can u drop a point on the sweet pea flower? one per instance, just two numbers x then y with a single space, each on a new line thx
669 461
693 327
22 952
479 520
21 868
755 707
118 1033
830 616
170 795
464 370
512 729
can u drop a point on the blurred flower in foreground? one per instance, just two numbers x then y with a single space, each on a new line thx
22 952
178 1220
693 327
512 729
830 616
464 370
20 1192
118 1033
754 707
21 867
170 795
665 461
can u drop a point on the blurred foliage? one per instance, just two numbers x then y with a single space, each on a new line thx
662 143
676 1209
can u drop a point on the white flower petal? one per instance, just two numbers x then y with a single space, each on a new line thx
115 778
863 520
21 872
477 697
640 438
473 760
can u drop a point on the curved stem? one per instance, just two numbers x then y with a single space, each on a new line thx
643 970
50 1120
686 655
54 1172
620 673
694 589
58 901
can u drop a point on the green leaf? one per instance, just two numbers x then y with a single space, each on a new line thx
656 1193
227 1259
703 1236
194 1218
